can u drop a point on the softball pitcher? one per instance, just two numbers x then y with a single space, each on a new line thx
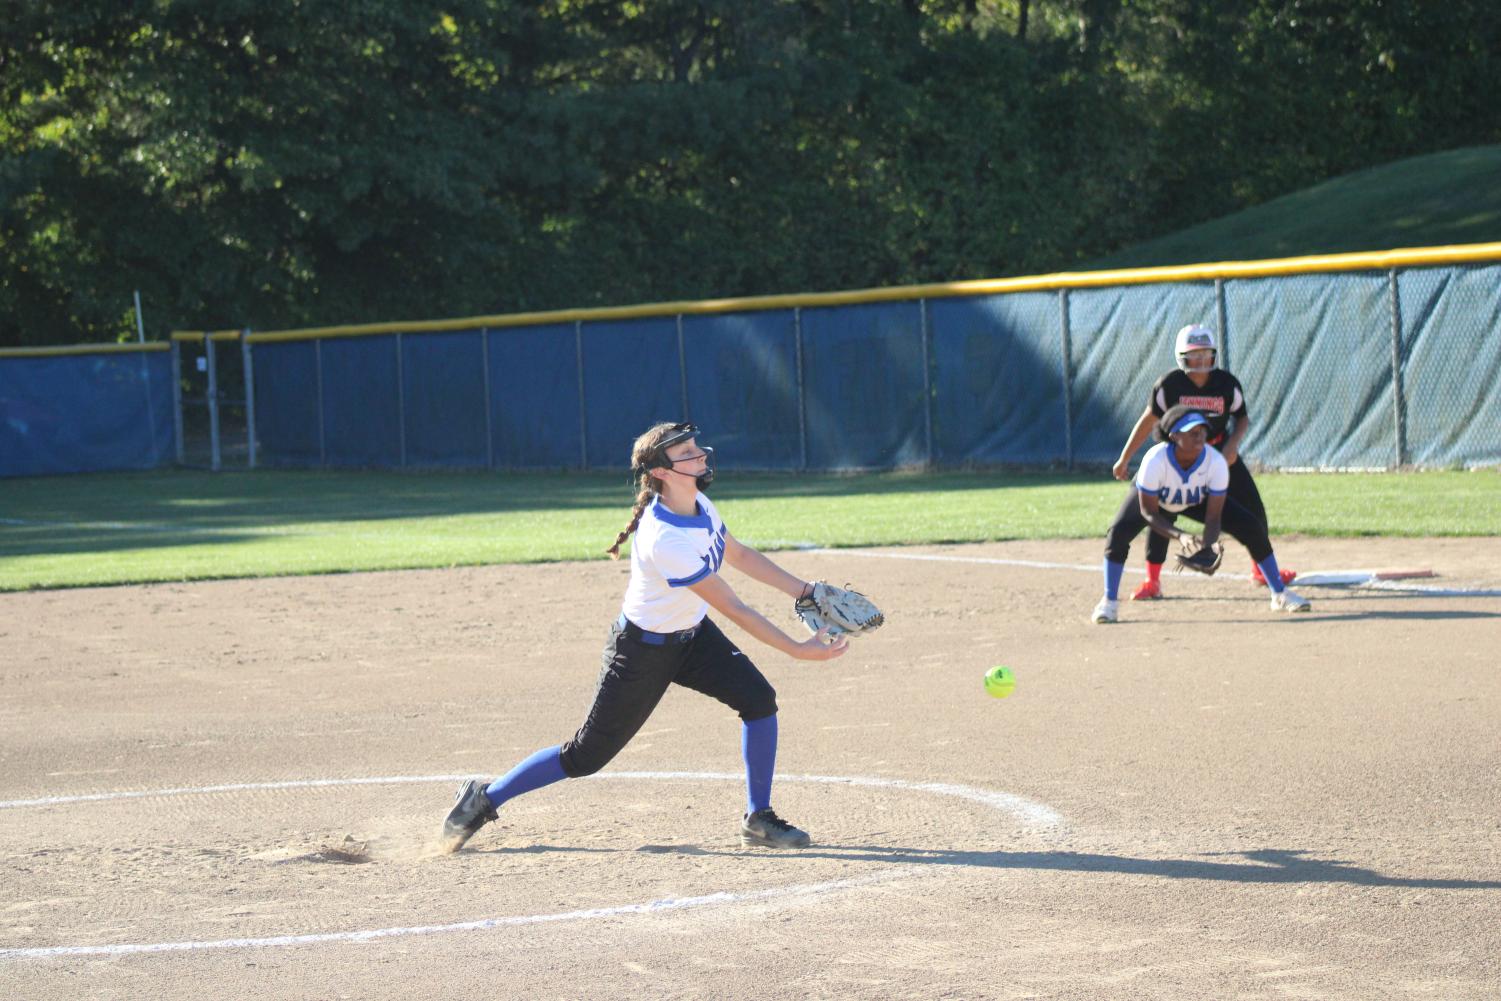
1185 476
1197 383
663 636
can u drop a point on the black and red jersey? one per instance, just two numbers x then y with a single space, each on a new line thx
1219 399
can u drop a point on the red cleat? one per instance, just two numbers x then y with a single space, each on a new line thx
1147 590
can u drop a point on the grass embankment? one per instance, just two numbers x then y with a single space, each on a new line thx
1436 200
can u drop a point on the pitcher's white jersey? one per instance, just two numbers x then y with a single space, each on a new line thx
668 553
1176 488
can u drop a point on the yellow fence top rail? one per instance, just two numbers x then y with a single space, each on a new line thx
82 349
1318 264
199 336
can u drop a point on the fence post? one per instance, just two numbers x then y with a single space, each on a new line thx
683 369
802 401
213 401
927 379
182 456
145 359
401 403
484 355
318 369
1222 319
1399 397
578 353
1068 380
249 366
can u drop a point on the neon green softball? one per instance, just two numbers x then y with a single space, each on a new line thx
999 681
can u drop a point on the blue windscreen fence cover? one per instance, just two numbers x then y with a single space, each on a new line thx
75 413
741 371
288 419
361 401
865 386
998 386
1364 369
1315 358
443 399
632 379
1121 342
1367 369
535 413
1451 366
1353 369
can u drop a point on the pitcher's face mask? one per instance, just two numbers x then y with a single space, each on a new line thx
679 434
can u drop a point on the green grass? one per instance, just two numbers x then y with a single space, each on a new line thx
167 526
1435 200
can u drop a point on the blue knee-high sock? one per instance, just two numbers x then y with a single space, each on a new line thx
1113 573
758 745
1272 574
541 769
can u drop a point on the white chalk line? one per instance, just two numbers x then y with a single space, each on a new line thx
1030 813
1370 583
1431 590
100 797
1093 568
653 907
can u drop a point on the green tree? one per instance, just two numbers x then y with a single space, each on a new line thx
278 163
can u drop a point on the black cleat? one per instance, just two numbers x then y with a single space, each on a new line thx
765 829
471 811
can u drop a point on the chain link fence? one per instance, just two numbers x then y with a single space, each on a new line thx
1355 369
1378 361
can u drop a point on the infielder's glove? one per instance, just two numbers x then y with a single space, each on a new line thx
845 612
1198 557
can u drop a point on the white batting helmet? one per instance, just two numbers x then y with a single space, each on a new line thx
1195 337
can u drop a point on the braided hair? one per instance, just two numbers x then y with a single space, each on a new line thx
647 485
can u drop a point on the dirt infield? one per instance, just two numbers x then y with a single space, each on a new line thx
1206 800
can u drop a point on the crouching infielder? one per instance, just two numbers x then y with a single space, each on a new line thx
1183 475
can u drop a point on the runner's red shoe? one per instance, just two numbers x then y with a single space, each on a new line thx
1259 579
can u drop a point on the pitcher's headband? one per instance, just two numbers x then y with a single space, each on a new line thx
679 432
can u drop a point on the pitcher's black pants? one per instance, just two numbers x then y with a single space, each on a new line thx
635 674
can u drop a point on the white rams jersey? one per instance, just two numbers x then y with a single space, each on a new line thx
668 553
1177 488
